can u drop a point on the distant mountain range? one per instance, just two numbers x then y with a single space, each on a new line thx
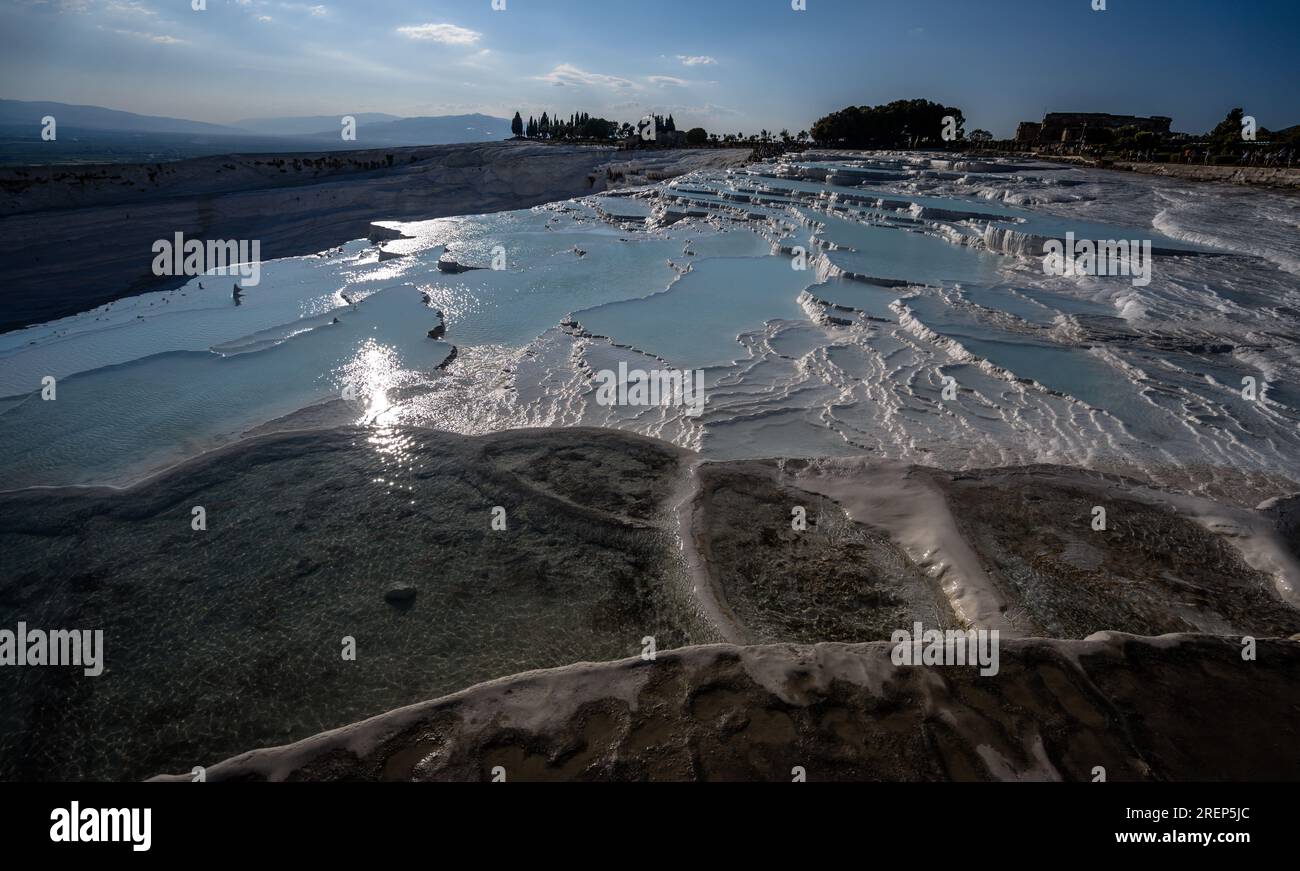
307 125
425 130
88 133
21 112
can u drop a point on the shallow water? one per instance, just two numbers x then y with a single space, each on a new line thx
697 273
233 637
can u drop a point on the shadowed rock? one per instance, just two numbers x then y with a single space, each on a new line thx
220 640
230 638
834 580
1152 570
1180 708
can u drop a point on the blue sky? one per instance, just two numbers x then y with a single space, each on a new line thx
727 65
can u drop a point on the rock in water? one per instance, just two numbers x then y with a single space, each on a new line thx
401 595
446 264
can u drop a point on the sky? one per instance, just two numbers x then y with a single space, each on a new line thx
726 65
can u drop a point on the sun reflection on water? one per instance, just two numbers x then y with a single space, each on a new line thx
396 452
370 375
375 374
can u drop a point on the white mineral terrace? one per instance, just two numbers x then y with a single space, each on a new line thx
917 271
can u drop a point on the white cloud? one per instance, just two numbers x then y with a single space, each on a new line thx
447 34
128 7
80 7
159 38
669 80
695 60
568 74
317 11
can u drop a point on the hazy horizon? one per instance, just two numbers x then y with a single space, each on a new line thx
726 65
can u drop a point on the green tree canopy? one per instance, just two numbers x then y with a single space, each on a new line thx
901 123
1227 133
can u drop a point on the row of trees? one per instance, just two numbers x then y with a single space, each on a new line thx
785 137
900 124
1227 136
1234 140
581 125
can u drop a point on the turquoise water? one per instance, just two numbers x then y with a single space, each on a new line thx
696 321
154 378
165 406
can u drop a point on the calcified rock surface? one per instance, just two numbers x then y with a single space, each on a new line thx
836 580
229 638
1019 549
1177 707
920 275
219 640
296 203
